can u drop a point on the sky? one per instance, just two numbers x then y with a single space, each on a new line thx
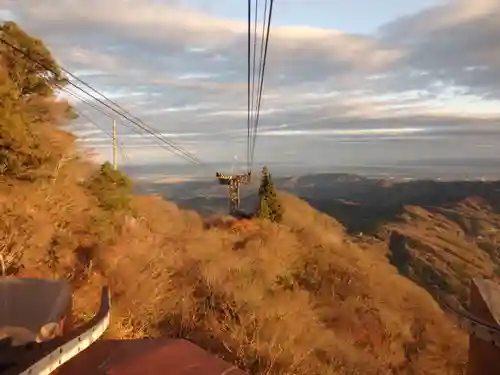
347 82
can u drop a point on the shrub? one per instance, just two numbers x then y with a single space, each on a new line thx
111 187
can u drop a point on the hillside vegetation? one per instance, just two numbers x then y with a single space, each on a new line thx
445 246
291 298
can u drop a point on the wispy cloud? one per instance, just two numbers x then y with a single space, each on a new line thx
342 132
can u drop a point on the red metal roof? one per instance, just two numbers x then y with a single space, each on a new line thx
147 357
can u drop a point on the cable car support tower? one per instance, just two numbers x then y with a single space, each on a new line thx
234 181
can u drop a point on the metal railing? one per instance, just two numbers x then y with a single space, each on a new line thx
44 358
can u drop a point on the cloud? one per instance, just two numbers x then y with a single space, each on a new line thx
149 28
453 44
184 72
342 132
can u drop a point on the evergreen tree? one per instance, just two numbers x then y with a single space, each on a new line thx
269 206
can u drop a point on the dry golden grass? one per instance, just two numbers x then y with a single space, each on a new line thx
294 298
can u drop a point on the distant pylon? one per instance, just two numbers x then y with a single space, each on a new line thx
114 145
233 182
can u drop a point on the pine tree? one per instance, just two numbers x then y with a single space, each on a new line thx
269 206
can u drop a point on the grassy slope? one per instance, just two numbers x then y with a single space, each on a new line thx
447 245
290 298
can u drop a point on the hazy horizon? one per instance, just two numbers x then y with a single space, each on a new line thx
445 169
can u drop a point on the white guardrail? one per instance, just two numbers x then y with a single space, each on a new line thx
51 355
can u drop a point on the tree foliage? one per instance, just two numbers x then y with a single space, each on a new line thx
35 75
269 205
29 106
111 187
